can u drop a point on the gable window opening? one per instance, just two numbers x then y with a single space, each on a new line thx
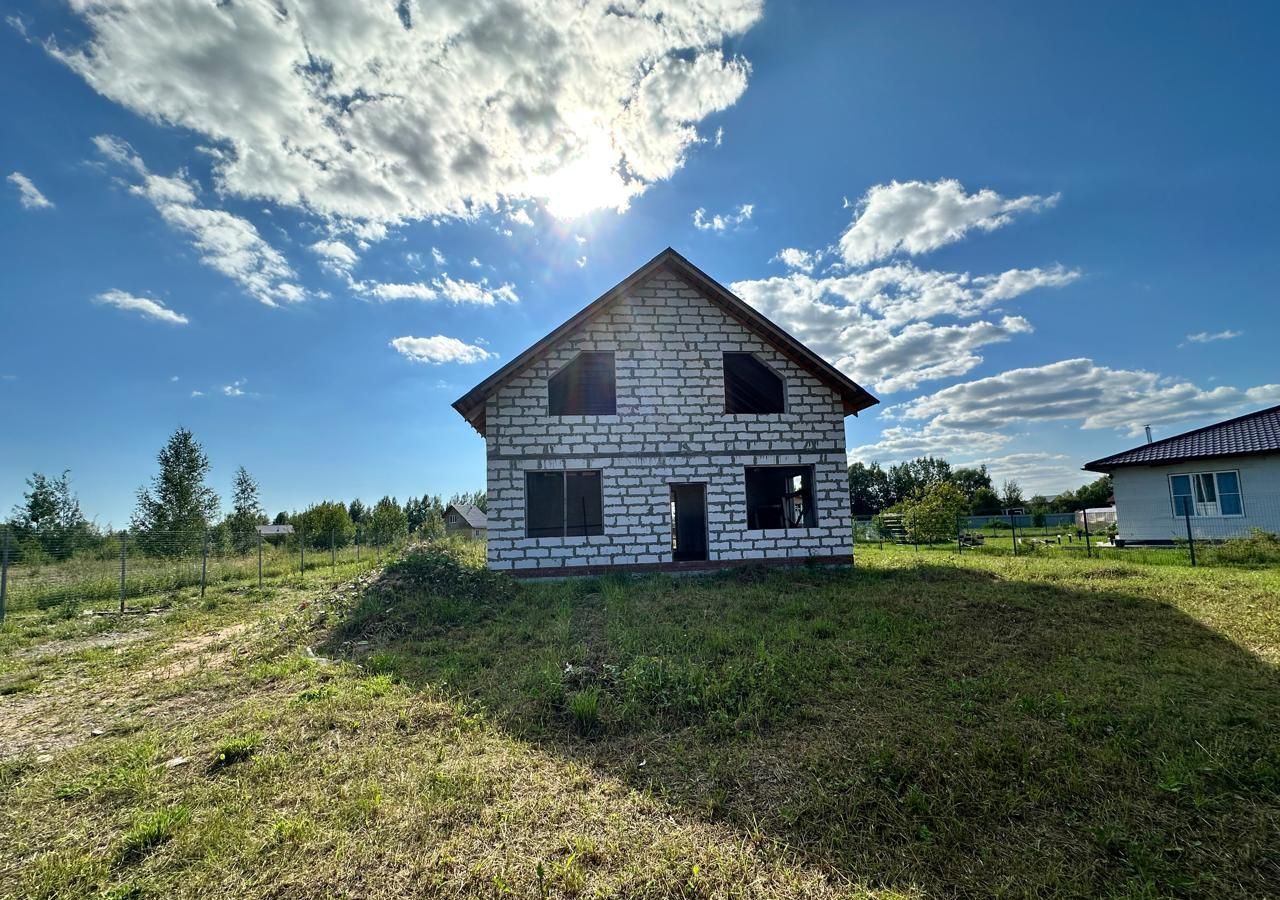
1206 494
751 387
563 504
586 386
780 497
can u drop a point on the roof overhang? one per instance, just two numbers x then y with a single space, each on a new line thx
471 405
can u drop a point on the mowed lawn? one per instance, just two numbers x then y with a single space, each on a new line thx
920 726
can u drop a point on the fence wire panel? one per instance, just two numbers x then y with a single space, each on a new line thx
1229 530
47 569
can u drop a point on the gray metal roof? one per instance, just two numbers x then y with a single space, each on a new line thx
1256 432
473 515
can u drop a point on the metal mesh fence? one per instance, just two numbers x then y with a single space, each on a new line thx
1241 531
45 569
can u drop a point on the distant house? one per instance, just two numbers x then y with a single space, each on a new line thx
466 520
1220 481
668 425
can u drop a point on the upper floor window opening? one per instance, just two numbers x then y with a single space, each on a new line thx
751 387
586 386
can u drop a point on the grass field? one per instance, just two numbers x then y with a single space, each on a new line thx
93 581
924 725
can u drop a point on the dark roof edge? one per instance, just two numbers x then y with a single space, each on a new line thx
1102 467
1106 460
855 396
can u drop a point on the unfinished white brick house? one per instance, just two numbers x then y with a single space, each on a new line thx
668 425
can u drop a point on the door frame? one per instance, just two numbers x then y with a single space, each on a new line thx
675 512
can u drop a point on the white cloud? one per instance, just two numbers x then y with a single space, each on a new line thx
459 290
916 216
227 243
234 389
1205 337
898 443
1037 472
335 256
28 194
454 290
520 217
439 349
437 256
148 308
800 260
1079 390
391 112
877 325
416 290
197 393
581 261
722 221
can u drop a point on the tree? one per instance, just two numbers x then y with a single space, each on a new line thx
175 511
971 480
387 523
931 516
357 512
325 524
863 489
986 502
1011 494
50 517
246 512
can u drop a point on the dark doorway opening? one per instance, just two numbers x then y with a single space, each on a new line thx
688 522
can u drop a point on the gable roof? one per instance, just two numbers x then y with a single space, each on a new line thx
1255 432
856 398
473 515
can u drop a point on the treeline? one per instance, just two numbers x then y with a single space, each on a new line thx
178 512
873 489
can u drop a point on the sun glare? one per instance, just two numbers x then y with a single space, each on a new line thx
590 182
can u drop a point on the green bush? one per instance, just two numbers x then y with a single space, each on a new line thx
1258 548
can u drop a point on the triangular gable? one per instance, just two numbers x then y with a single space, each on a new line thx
471 405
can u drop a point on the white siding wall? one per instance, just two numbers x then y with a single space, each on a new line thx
1145 509
671 426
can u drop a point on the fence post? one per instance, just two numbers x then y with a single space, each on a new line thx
1191 541
1013 531
124 539
333 554
204 562
302 552
357 543
1088 548
259 560
959 540
4 571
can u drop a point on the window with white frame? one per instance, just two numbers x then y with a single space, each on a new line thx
1206 494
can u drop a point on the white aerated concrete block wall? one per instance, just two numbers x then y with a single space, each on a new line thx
670 427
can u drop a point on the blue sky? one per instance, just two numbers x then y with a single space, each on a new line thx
302 234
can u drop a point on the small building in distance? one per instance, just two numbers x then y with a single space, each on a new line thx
1215 483
466 520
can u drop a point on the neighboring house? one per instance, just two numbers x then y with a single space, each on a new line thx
466 520
1220 481
666 425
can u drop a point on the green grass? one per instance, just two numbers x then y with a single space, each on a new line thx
923 725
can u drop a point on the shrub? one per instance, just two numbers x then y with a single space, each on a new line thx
931 516
1259 547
